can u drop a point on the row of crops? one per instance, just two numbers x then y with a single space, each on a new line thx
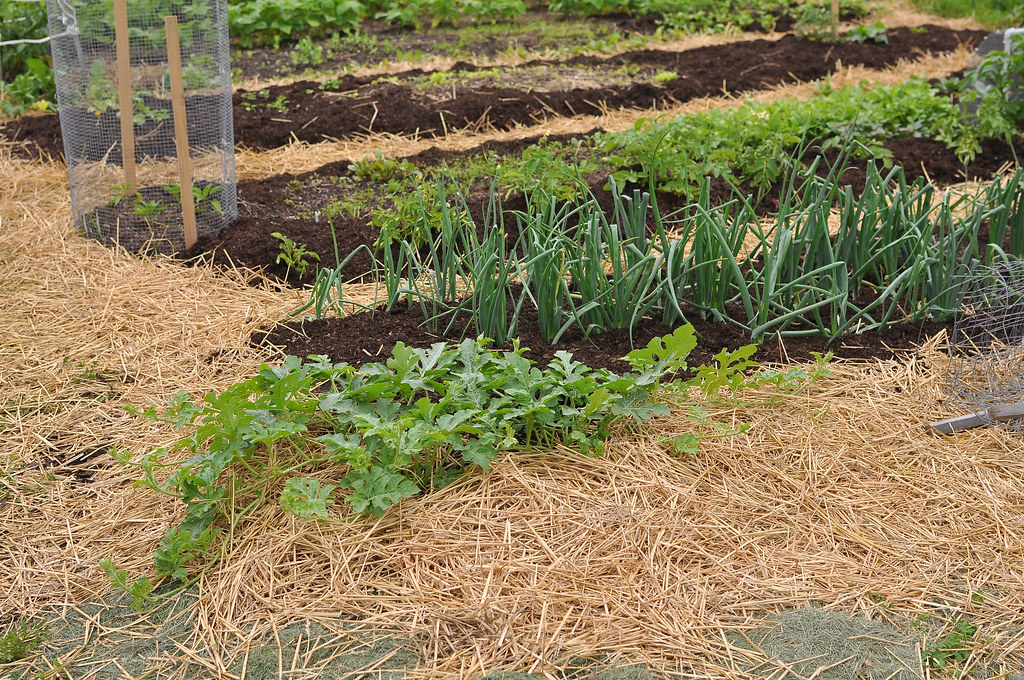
828 261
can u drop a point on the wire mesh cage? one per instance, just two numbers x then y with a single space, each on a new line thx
146 121
987 348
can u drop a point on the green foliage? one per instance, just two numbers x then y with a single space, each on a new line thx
953 649
271 22
991 13
701 15
19 641
295 256
32 89
306 498
415 13
261 98
868 33
728 371
814 22
307 53
26 75
990 103
669 351
378 168
755 142
141 589
397 428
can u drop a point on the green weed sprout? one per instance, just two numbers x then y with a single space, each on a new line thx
295 256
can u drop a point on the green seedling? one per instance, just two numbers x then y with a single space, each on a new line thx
19 641
147 209
201 194
868 33
953 649
295 256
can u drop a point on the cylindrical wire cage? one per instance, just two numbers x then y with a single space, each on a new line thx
111 57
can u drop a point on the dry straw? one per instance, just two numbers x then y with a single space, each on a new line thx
836 496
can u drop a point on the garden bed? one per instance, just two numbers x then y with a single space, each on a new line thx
313 111
777 515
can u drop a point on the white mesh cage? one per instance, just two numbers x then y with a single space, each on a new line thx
147 215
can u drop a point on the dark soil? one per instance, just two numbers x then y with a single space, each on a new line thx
365 337
357 105
272 204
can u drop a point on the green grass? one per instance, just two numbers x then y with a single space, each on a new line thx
990 13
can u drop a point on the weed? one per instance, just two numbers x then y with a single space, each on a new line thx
868 33
295 256
19 641
953 649
307 53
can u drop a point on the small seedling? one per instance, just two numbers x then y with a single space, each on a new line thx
201 194
953 649
147 209
665 76
19 641
295 256
868 33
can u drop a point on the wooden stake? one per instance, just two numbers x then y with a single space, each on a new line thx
124 92
188 209
835 20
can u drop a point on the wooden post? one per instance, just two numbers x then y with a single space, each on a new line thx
124 92
835 20
188 209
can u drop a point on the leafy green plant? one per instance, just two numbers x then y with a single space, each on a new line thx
378 168
147 209
140 588
202 194
814 22
990 105
295 256
19 641
306 498
868 33
271 22
32 89
953 649
307 53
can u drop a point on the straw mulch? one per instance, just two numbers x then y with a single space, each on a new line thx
837 497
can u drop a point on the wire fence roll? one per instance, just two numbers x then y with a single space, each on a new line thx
987 348
123 144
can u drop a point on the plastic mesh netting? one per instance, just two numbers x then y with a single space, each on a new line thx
987 348
146 215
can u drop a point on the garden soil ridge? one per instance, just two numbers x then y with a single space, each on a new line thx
272 204
361 105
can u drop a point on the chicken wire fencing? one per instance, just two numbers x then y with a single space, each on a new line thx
128 154
987 347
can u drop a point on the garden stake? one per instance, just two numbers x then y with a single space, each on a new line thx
998 413
188 212
124 92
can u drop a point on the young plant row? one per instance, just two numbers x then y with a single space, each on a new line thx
754 143
386 432
893 256
256 22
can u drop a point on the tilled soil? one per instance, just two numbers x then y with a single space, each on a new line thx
369 337
358 105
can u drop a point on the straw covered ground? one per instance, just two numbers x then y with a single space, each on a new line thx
836 539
